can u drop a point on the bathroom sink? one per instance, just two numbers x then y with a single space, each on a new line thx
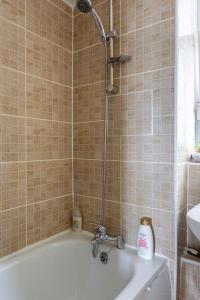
193 218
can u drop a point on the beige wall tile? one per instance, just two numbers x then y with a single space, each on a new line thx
48 180
90 209
13 229
48 140
88 180
137 14
62 66
13 11
88 139
50 22
189 286
147 184
163 125
39 56
88 102
48 61
151 148
137 112
161 82
150 48
163 224
13 185
81 68
89 65
12 46
39 17
48 218
47 100
62 5
62 29
12 92
36 125
13 138
113 217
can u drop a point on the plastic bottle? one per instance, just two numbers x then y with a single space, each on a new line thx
77 220
145 242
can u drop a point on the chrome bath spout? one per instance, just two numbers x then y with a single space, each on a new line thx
102 236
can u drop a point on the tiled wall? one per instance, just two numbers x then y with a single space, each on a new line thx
190 278
35 121
190 270
141 120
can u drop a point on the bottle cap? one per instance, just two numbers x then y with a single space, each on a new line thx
145 221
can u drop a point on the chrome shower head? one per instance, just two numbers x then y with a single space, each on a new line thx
85 6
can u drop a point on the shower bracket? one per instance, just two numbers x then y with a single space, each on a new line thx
112 89
111 35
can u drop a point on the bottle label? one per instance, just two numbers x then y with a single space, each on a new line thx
142 241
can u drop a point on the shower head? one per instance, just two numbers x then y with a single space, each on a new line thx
85 6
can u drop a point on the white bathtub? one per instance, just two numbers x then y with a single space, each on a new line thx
62 268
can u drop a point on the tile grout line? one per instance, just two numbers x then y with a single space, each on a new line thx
61 8
35 76
34 203
36 34
48 41
26 194
126 33
34 118
147 26
36 160
127 76
154 116
73 111
85 159
120 140
187 197
127 161
120 82
126 203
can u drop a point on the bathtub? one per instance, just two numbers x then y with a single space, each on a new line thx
62 268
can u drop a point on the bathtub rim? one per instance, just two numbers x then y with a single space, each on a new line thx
58 237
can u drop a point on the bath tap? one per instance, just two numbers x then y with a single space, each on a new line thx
102 236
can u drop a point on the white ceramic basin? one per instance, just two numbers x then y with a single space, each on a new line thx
193 218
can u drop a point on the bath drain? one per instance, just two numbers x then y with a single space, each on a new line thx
104 258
